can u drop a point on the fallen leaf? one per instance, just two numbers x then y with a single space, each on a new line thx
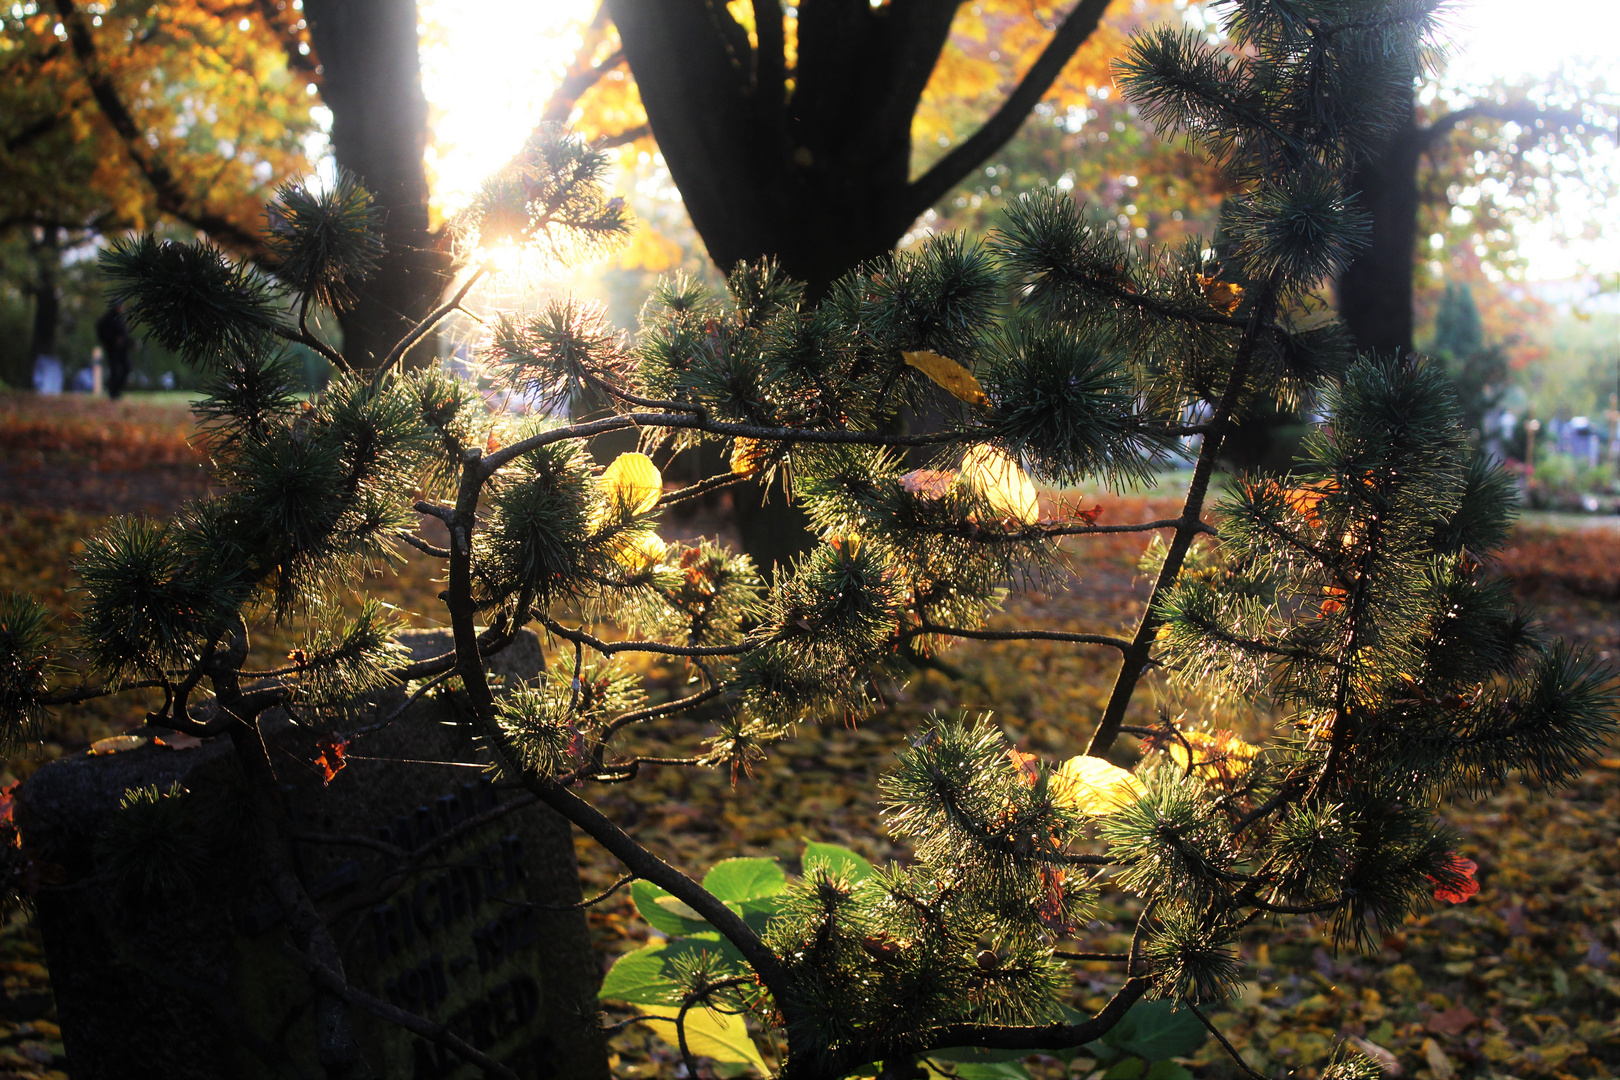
179 740
117 744
1003 484
1094 786
1028 766
1384 1059
633 482
1454 1021
1457 882
8 802
1438 1062
1223 753
950 375
639 553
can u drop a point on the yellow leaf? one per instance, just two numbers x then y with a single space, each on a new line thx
633 482
1094 786
708 1034
640 553
999 479
676 906
1225 753
948 374
748 456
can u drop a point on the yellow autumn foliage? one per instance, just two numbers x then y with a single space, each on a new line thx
1094 786
1003 484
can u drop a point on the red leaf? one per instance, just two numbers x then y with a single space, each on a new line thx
1456 883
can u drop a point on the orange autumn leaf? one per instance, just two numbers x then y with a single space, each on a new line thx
748 456
1027 766
950 375
331 756
1223 296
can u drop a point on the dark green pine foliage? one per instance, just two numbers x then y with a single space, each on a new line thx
1351 599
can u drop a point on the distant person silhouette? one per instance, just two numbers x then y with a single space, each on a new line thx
116 345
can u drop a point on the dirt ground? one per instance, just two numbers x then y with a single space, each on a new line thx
1521 981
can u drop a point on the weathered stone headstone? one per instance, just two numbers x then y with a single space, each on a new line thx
443 905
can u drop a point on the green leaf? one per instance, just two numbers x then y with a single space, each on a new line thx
977 1055
710 1034
1168 1070
638 977
839 860
737 881
1128 1069
1156 1030
665 912
989 1070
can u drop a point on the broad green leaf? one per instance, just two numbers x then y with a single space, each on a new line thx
978 1070
638 977
658 908
839 860
1167 1070
737 881
1157 1030
708 1034
1128 1069
977 1055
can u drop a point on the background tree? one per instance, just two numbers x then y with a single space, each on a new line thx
137 114
1349 596
1518 146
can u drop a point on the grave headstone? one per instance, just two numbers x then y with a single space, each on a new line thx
443 903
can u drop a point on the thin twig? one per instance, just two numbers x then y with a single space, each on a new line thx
1230 1049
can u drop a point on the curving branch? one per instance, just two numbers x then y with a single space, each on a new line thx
955 166
171 198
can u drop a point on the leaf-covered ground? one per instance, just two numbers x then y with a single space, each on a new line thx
1523 980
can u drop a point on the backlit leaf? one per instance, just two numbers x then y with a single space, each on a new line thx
1003 484
1094 786
633 482
740 880
709 1034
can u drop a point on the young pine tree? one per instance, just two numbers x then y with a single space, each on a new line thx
1349 599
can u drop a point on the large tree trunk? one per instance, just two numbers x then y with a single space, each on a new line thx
817 180
1375 291
371 79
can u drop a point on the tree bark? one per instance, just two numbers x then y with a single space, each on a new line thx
47 252
371 79
1375 290
820 178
